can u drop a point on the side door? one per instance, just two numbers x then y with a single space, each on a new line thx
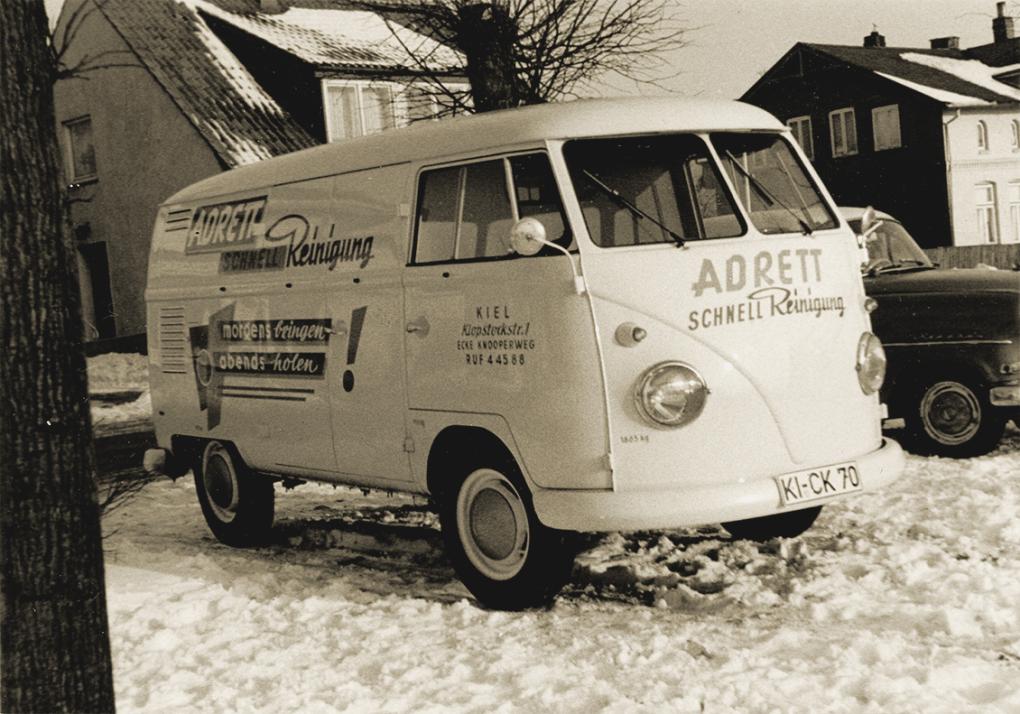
365 303
490 332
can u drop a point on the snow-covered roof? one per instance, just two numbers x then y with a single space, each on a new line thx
175 40
231 111
969 70
337 38
951 98
948 76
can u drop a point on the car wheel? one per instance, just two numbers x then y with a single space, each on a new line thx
498 547
778 525
953 418
237 504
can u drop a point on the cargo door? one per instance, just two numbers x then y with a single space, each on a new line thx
365 261
496 336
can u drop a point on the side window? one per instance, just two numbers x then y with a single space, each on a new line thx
487 217
538 197
466 212
438 209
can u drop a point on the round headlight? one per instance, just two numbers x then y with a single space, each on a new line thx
870 363
671 394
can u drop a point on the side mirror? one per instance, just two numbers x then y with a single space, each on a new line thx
870 221
527 237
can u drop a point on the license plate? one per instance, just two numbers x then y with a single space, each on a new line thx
818 483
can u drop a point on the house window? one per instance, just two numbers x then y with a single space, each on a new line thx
81 156
982 136
1014 211
801 128
886 124
1015 135
843 132
984 201
420 102
355 108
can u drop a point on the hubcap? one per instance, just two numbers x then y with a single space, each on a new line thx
492 524
220 483
951 413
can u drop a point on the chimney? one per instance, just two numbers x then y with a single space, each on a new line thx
874 40
1002 26
945 43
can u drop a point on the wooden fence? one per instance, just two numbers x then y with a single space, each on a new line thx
969 256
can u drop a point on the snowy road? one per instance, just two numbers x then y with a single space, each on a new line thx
906 600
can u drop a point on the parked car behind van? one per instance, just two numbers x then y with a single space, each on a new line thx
592 316
953 342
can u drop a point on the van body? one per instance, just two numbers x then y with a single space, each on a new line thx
686 341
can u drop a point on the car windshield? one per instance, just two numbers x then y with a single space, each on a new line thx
772 184
650 189
890 247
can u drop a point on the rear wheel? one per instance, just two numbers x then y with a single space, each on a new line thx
778 525
952 418
500 550
237 504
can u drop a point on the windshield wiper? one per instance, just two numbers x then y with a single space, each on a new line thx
634 209
766 195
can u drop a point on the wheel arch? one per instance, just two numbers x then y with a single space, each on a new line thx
456 447
910 381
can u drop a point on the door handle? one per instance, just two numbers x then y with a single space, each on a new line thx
419 326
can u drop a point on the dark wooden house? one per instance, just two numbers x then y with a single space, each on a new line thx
929 135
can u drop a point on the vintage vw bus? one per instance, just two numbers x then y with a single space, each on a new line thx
594 316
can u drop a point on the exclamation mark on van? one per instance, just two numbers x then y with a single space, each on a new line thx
357 320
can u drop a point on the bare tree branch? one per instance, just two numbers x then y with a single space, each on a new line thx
553 48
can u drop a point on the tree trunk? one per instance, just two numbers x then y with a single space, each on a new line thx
55 646
486 36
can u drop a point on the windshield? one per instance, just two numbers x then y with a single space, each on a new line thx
890 247
772 184
650 189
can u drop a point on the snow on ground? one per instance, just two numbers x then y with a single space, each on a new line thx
119 388
906 600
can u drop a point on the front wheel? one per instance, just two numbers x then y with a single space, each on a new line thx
953 418
237 504
778 525
500 550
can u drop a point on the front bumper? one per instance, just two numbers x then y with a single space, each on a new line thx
678 507
1005 396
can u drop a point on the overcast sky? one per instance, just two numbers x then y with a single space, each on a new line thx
734 41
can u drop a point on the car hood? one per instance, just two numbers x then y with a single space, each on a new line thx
943 305
966 280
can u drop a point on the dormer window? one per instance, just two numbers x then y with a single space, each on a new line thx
359 107
982 136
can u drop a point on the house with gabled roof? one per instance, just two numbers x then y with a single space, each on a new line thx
168 92
930 135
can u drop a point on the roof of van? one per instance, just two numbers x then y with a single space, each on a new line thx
493 130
